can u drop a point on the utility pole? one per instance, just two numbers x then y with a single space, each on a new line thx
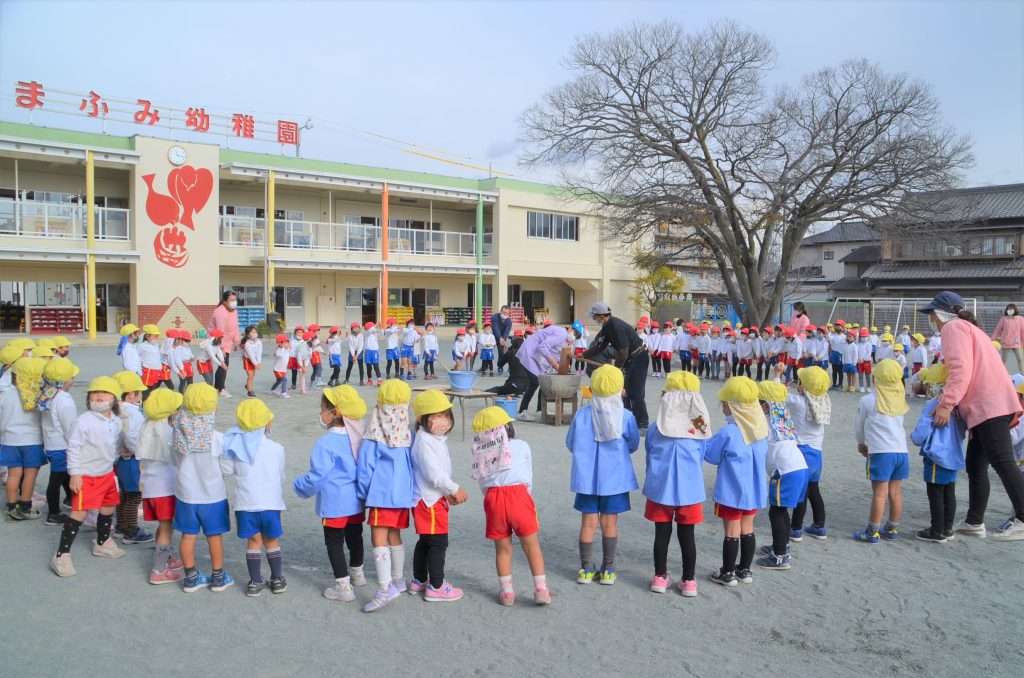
298 141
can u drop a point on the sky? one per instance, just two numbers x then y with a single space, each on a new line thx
453 77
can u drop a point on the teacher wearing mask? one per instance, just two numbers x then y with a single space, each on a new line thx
1010 335
980 389
501 325
225 319
799 322
630 356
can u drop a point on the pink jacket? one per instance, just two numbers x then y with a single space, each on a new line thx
227 321
978 384
799 323
1010 331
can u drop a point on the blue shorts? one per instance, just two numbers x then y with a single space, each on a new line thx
391 354
702 357
813 459
685 356
849 369
406 351
457 358
335 359
788 490
17 456
835 357
487 354
58 460
938 475
251 523
128 474
886 466
430 356
602 503
212 519
372 357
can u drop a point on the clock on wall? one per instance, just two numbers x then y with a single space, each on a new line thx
176 154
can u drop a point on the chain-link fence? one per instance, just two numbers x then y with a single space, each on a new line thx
897 312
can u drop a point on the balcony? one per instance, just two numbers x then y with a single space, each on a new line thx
60 220
238 231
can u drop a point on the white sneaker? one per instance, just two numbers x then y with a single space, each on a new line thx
526 416
1012 532
61 565
285 395
107 549
357 575
225 394
971 530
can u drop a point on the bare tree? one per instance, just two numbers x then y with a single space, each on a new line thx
660 124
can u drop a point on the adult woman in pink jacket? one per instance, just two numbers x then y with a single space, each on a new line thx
225 319
981 391
1010 333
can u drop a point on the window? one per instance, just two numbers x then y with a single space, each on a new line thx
431 297
293 296
399 296
829 255
248 295
471 298
552 226
53 294
514 292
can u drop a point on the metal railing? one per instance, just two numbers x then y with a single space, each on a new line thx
28 218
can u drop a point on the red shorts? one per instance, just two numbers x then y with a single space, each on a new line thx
97 492
917 368
666 355
510 510
684 515
187 368
278 375
248 365
746 361
782 358
344 521
158 508
314 359
579 351
205 366
166 373
397 518
730 513
695 354
864 367
431 519
151 377
293 364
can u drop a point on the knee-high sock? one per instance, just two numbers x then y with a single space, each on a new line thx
397 561
382 562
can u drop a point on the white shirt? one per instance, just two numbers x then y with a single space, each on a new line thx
258 485
18 427
863 351
581 342
744 349
334 345
372 344
58 419
783 456
355 344
131 422
461 347
92 447
487 341
149 354
201 475
885 351
683 341
130 359
521 471
391 336
430 342
881 432
253 351
901 359
281 356
471 342
181 355
409 335
302 353
808 432
919 354
165 350
157 478
431 468
849 352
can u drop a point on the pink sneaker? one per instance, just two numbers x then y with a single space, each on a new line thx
688 588
446 594
416 586
508 599
168 576
175 564
660 584
542 597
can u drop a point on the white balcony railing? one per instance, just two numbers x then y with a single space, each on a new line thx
317 235
57 220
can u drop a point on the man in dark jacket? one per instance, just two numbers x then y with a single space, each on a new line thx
501 325
630 356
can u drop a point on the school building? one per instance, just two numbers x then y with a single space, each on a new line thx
174 223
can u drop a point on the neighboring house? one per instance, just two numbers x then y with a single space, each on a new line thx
704 283
968 240
855 264
819 263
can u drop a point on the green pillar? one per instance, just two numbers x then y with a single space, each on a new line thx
479 287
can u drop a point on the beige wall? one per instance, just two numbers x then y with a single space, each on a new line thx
814 255
69 178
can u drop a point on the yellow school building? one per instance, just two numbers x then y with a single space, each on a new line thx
175 223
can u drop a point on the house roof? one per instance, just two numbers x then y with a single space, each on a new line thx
937 271
849 284
983 203
865 254
845 231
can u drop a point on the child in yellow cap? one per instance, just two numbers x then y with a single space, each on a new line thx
58 414
739 450
158 476
674 485
811 410
384 482
259 474
882 440
503 466
918 358
942 448
201 498
92 449
602 437
332 479
128 350
21 432
127 465
434 490
61 346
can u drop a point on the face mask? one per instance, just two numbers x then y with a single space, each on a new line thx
232 304
1011 312
934 325
320 420
504 316
101 407
253 335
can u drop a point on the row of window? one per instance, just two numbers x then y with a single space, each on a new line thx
978 246
552 226
62 198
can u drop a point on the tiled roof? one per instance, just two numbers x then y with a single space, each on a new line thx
846 231
966 204
934 271
849 284
865 254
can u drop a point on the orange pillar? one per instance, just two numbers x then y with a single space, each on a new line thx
382 318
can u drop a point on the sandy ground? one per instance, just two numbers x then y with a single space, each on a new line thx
844 609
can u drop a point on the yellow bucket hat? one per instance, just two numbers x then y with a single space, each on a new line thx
8 354
151 329
899 348
681 380
919 338
128 329
162 403
771 392
1020 389
30 380
741 390
430 402
814 379
889 396
201 399
346 401
886 337
23 343
60 370
394 392
998 346
490 418
887 371
47 342
41 351
129 381
253 414
606 381
61 342
106 385
936 374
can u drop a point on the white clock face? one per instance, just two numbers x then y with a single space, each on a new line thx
176 154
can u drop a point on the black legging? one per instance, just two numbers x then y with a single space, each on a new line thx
428 559
636 387
528 394
222 373
687 545
336 538
348 370
942 506
817 508
58 479
837 375
781 527
989 445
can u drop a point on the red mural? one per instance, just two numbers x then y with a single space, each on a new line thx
189 190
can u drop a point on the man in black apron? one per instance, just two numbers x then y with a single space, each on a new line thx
630 356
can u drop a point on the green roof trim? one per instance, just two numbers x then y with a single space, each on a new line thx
65 136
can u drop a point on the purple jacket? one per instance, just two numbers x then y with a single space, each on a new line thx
547 342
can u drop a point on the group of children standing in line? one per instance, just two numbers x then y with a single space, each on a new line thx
155 447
